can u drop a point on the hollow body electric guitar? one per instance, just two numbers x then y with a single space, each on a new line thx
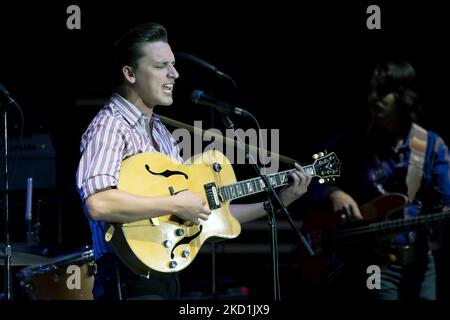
168 244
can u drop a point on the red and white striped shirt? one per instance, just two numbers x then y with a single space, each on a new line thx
117 132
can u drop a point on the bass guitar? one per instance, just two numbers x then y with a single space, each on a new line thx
327 233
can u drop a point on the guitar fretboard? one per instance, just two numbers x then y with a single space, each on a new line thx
398 224
256 185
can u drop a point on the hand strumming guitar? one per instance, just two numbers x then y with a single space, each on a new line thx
342 202
191 206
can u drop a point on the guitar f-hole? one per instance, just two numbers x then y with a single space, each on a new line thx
186 240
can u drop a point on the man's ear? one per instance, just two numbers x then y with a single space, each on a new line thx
128 73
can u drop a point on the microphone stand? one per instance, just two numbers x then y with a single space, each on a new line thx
7 249
273 205
213 245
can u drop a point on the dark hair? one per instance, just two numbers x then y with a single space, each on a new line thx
397 77
128 49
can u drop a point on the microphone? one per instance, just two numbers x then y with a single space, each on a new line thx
5 94
199 97
28 214
202 64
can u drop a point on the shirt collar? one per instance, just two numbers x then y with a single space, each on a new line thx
406 143
129 111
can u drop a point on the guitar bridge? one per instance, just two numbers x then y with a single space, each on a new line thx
212 195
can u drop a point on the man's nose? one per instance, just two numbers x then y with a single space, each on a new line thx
173 73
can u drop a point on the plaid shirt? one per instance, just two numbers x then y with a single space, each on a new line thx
366 176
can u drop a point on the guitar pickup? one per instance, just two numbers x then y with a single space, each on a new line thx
212 195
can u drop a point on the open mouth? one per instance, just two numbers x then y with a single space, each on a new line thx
168 87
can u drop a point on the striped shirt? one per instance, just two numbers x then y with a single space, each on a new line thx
117 132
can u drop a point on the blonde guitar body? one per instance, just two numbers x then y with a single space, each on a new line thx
166 244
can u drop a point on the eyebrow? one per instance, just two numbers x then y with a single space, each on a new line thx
165 62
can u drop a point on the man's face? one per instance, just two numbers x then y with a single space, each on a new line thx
156 74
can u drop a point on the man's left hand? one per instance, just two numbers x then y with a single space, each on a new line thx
297 187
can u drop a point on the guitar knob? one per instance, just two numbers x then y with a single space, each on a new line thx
185 253
167 243
321 154
172 264
180 232
217 167
315 156
321 181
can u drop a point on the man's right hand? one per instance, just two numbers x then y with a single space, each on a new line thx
344 204
191 206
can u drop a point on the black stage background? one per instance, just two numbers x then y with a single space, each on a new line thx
301 68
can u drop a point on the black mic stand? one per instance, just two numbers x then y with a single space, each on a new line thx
213 245
7 249
273 205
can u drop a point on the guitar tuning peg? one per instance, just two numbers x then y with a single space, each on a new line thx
321 154
321 181
315 156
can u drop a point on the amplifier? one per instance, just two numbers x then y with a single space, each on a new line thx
33 156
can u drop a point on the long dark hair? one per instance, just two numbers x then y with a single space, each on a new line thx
400 78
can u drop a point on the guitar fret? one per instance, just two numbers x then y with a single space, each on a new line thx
261 184
225 195
249 186
244 186
241 189
309 170
238 189
278 179
255 186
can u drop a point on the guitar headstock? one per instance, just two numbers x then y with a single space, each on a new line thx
326 166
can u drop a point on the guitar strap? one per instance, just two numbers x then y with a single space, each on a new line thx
418 145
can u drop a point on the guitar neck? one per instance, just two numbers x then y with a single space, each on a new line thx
397 225
256 185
